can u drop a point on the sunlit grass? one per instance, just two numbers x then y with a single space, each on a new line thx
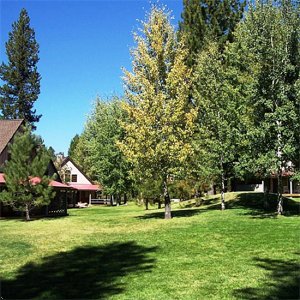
202 253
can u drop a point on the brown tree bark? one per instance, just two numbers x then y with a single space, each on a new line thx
223 187
159 204
167 201
147 203
27 212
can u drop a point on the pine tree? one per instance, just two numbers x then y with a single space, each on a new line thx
20 76
160 122
51 153
206 20
26 184
73 145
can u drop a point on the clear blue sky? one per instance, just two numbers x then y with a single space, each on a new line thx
83 45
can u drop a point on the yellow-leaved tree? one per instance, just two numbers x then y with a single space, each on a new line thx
160 117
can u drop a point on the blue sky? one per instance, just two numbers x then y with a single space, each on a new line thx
83 45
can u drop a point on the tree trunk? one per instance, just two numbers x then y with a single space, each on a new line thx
159 204
146 203
223 188
279 193
27 212
266 193
167 201
279 172
125 198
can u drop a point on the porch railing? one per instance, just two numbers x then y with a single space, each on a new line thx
101 201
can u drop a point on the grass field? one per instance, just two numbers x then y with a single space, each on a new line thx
128 253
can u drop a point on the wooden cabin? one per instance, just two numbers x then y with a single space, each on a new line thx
73 175
58 206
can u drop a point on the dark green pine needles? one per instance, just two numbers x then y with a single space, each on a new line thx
20 76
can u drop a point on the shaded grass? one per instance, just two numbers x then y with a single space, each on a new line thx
128 253
251 201
283 281
85 272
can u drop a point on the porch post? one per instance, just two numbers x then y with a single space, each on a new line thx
291 186
90 199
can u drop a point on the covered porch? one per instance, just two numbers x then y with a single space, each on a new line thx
57 206
83 193
290 188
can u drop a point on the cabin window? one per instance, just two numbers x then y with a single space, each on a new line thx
74 177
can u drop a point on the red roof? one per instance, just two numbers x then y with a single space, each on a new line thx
58 184
2 180
85 187
36 180
53 183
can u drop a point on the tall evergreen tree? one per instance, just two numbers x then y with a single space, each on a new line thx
160 122
20 76
51 153
73 145
204 20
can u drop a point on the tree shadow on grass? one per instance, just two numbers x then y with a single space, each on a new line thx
33 218
83 273
253 205
283 281
254 202
214 202
175 214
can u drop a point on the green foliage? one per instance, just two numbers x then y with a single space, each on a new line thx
160 122
271 34
296 176
207 20
183 189
21 80
73 146
219 91
269 39
27 164
51 153
80 155
104 160
149 189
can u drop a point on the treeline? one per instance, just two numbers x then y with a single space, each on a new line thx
216 99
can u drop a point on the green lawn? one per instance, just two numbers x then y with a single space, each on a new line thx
127 253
